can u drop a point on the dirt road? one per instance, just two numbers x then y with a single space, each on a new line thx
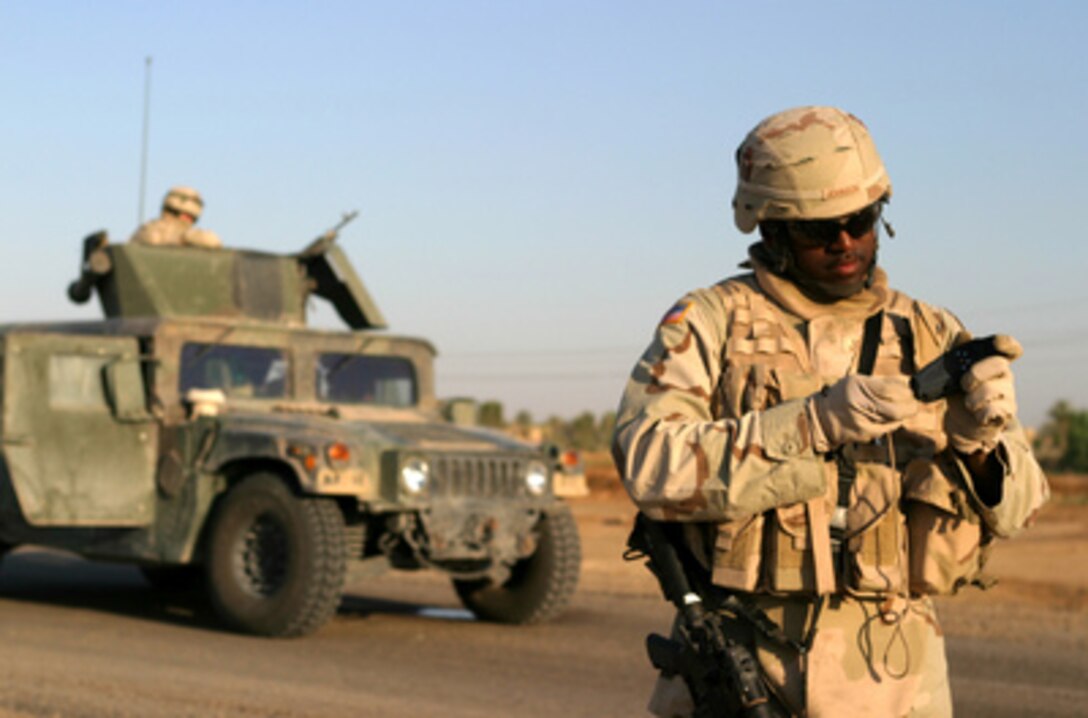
82 639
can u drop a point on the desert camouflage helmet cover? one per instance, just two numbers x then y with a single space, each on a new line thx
184 199
806 163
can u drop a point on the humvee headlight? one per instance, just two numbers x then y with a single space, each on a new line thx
338 454
537 477
413 476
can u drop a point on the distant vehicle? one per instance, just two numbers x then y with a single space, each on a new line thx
204 432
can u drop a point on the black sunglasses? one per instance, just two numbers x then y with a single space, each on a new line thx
823 232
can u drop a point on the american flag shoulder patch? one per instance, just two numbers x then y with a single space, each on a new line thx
677 313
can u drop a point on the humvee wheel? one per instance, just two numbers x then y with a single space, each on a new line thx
540 586
276 561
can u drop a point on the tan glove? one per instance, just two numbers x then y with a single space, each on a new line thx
976 418
859 408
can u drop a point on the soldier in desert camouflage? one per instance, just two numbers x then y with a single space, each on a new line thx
748 417
181 208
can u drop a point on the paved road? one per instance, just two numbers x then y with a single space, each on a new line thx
83 639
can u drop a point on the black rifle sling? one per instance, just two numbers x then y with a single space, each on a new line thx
870 344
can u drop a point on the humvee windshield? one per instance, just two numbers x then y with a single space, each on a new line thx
241 372
366 379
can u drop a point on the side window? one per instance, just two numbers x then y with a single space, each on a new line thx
366 379
242 372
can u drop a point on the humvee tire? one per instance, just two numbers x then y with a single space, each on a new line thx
540 586
276 561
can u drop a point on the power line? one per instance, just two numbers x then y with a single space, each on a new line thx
1059 359
551 351
533 376
1062 338
1011 308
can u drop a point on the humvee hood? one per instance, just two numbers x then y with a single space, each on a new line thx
447 438
422 435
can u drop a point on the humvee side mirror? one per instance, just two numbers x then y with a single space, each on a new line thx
124 383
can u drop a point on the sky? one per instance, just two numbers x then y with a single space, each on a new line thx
538 181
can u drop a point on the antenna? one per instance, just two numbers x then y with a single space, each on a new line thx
143 149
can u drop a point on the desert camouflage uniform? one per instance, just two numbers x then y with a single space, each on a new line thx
169 230
712 432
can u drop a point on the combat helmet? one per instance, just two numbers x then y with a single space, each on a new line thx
811 162
184 199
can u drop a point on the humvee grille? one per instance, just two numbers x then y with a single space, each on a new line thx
459 475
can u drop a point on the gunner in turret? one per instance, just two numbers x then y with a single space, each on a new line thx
181 209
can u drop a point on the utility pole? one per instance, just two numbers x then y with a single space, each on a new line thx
143 149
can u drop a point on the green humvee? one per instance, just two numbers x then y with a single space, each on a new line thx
203 432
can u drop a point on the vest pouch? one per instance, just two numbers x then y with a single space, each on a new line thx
790 566
747 386
732 390
797 385
875 539
737 550
946 536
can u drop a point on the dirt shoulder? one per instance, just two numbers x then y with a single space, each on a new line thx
1042 574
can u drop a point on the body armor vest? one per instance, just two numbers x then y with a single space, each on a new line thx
909 526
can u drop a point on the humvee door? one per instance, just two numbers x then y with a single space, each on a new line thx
78 441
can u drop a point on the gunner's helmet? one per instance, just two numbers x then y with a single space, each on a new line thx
184 199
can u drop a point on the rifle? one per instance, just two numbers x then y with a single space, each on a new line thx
325 240
721 672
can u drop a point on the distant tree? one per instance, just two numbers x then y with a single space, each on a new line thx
522 427
605 428
1076 453
582 432
1062 443
555 431
585 432
490 414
